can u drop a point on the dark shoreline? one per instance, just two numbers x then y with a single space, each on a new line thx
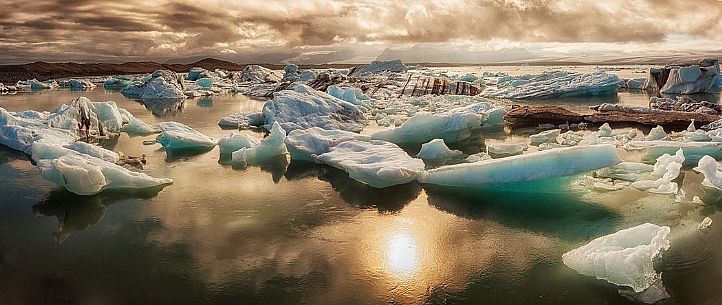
10 74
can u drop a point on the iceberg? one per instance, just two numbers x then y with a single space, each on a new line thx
635 83
624 258
235 142
659 181
197 72
161 84
708 167
506 149
627 171
175 135
76 84
117 83
303 144
656 134
548 136
377 66
451 127
693 151
137 126
87 175
268 148
306 107
437 149
352 95
376 163
257 74
242 120
204 83
557 84
559 162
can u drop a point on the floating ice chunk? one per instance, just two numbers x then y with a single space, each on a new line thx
436 149
136 125
95 151
666 169
423 127
204 83
175 135
87 175
38 85
161 84
376 163
547 136
697 200
609 185
271 146
480 156
116 83
534 166
306 107
705 224
304 143
624 258
693 151
635 83
76 84
352 95
558 84
570 138
696 136
710 169
242 120
258 74
235 142
605 130
690 79
506 150
628 171
381 66
290 73
197 72
656 134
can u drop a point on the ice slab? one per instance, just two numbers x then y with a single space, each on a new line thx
501 150
376 163
304 143
624 258
556 84
175 135
437 149
235 142
306 107
547 136
272 146
534 166
84 174
452 127
693 151
627 171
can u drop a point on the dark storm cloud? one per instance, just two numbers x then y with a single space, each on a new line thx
99 29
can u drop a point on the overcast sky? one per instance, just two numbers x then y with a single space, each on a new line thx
104 30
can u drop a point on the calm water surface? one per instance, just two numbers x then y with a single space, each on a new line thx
299 233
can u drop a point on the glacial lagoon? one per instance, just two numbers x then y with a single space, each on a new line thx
289 232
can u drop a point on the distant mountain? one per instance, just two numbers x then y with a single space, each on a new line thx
10 74
456 55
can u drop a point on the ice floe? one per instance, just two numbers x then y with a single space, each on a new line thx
534 166
437 149
625 258
272 146
303 144
177 136
376 163
659 181
708 167
555 84
235 142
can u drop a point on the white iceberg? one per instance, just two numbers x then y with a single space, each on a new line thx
352 95
659 181
376 163
424 127
272 146
657 134
557 84
624 258
87 175
708 167
306 107
235 142
377 66
690 79
501 150
175 135
257 74
303 144
436 149
161 84
547 136
243 120
534 166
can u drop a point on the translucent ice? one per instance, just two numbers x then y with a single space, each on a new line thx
175 135
304 143
535 166
436 149
628 171
693 151
452 127
352 95
204 83
710 169
271 146
624 258
557 84
376 163
666 169
235 142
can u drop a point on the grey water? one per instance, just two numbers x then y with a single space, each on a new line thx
299 233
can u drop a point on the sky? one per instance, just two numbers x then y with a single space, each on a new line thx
348 30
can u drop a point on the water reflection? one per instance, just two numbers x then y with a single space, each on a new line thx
562 215
275 165
205 102
163 107
76 213
402 254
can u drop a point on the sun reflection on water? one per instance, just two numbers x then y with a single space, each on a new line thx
402 254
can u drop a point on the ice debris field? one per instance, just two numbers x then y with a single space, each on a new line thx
372 124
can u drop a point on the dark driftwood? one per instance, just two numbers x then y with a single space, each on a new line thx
533 115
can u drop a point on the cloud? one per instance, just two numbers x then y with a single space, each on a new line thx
104 29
